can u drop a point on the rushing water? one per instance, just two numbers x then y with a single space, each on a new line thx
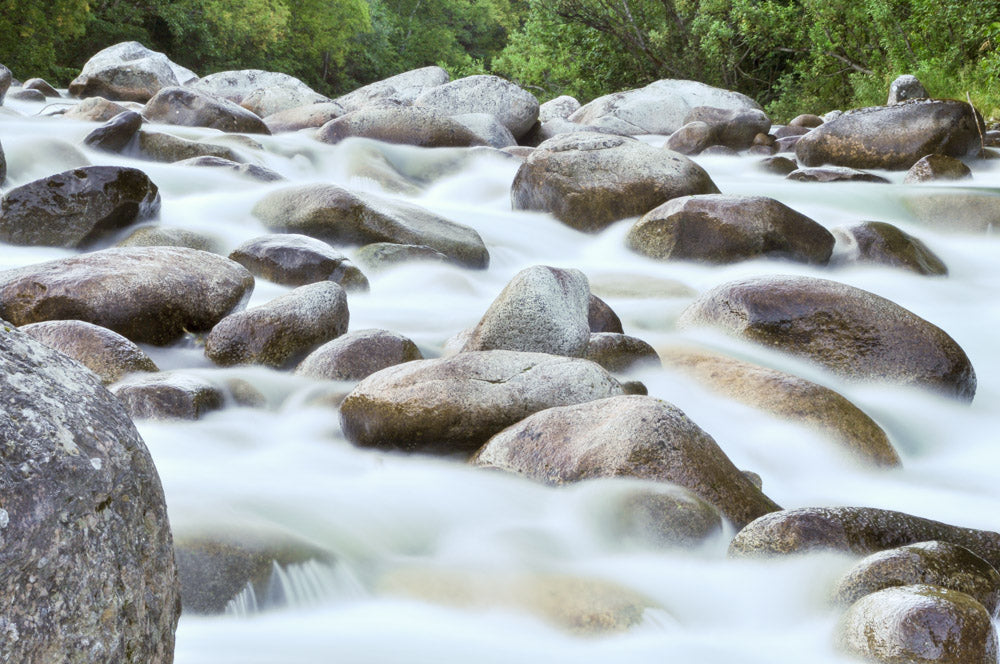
287 470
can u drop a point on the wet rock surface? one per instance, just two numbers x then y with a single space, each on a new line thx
106 353
877 242
424 127
187 107
128 72
297 260
169 395
357 355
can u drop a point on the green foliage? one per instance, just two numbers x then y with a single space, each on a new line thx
33 34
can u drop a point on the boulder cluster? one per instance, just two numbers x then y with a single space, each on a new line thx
542 386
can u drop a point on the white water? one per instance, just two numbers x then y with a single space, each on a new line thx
288 469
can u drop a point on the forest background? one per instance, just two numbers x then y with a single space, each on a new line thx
790 55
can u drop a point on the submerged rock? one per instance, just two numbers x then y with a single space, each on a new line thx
88 568
170 236
834 174
106 353
169 395
937 167
877 242
158 146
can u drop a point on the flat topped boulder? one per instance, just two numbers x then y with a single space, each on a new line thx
893 137
455 404
191 108
852 332
625 436
588 181
146 294
88 567
128 72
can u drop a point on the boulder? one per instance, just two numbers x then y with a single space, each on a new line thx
402 88
168 236
658 514
717 228
962 209
128 72
157 146
790 130
189 108
789 397
489 130
658 108
169 395
904 88
857 530
807 120
357 355
692 138
3 165
933 563
106 353
561 107
937 167
296 260
734 128
408 125
601 317
620 352
42 86
339 216
541 310
776 165
21 94
568 177
77 208
252 171
834 174
879 243
512 105
282 331
851 332
88 567
94 109
454 404
116 133
303 117
5 80
146 294
379 256
893 137
918 624
260 92
625 436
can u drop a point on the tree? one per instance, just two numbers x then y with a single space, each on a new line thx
33 34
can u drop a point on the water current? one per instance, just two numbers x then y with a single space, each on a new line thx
287 470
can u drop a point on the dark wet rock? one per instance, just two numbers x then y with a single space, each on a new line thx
625 436
661 515
128 72
541 310
658 108
904 88
214 569
455 404
933 563
732 127
26 95
834 174
790 130
409 125
357 355
252 171
77 208
5 80
402 88
937 167
106 353
169 395
601 317
851 332
88 569
297 260
146 294
42 86
806 120
95 109
717 228
513 106
168 236
918 624
304 117
568 176
189 108
880 243
789 397
692 138
339 216
858 530
3 165
955 208
158 146
379 256
620 352
116 133
282 331
776 165
893 137
560 107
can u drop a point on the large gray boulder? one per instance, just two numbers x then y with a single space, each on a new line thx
106 353
851 332
568 176
339 216
455 404
407 125
77 208
94 109
146 294
261 92
296 260
512 105
893 137
87 559
283 330
190 108
304 117
541 310
625 436
716 228
734 128
401 88
128 72
658 108
905 87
